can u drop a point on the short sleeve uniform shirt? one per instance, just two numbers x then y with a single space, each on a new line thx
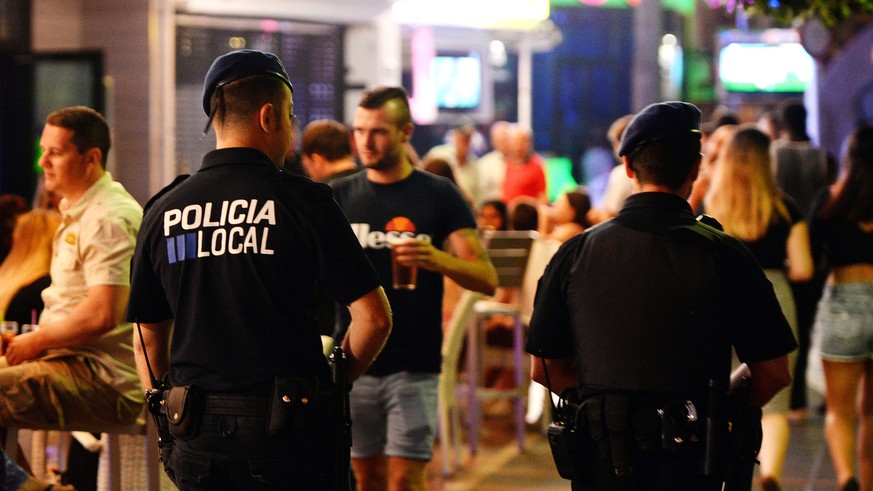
233 254
652 302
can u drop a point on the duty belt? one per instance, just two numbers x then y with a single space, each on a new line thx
237 405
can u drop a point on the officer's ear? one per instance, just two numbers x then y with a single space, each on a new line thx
627 167
267 117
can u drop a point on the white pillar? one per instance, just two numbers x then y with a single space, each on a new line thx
162 94
388 50
525 55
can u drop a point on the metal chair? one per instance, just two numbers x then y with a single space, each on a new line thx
509 252
449 420
128 457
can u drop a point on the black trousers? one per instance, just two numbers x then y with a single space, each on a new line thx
235 453
653 470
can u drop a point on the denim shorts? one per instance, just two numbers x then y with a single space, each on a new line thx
394 415
844 322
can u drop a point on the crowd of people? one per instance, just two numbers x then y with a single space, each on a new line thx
210 257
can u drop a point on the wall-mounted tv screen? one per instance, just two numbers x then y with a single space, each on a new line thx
457 80
764 67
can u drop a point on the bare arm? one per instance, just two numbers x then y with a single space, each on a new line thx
368 331
562 373
468 267
768 377
800 267
101 310
157 345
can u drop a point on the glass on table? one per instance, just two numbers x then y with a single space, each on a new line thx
8 330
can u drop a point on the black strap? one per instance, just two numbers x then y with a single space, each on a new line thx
156 384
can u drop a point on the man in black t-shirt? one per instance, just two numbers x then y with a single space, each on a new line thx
392 205
224 274
649 304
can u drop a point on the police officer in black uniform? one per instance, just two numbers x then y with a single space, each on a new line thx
224 275
637 316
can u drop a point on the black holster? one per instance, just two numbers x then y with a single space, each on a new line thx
296 402
184 406
625 426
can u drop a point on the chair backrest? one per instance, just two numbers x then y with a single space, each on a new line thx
509 251
541 253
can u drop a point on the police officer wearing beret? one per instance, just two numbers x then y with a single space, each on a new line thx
637 317
223 283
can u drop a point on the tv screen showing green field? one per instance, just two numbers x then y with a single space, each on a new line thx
760 67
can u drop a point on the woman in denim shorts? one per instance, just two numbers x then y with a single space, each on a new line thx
842 233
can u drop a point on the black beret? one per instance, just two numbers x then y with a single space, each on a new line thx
659 121
241 64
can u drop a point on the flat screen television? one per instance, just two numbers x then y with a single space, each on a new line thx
457 80
759 67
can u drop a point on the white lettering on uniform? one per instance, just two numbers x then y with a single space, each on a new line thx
232 217
200 251
235 246
219 242
191 217
264 249
236 240
171 217
207 217
268 213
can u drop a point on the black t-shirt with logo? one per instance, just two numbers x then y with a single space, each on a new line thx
422 206
233 254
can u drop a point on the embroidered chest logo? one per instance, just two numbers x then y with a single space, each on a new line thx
229 227
70 238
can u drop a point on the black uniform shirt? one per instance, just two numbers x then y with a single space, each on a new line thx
651 301
233 254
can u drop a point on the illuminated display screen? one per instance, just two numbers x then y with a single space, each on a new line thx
457 80
761 67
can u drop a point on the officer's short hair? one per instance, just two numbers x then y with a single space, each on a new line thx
327 138
88 126
667 162
378 97
245 96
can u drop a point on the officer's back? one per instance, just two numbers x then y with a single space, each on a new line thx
224 275
639 314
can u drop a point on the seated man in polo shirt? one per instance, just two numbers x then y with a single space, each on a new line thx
77 370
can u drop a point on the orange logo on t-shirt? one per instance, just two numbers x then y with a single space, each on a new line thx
400 224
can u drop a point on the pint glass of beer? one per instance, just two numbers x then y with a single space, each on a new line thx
8 330
404 276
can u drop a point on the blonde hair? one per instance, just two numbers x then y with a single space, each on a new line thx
31 253
743 195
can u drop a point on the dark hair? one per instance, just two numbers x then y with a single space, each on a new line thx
11 206
525 216
327 138
854 201
794 120
500 206
239 99
581 204
88 126
667 162
378 97
440 167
